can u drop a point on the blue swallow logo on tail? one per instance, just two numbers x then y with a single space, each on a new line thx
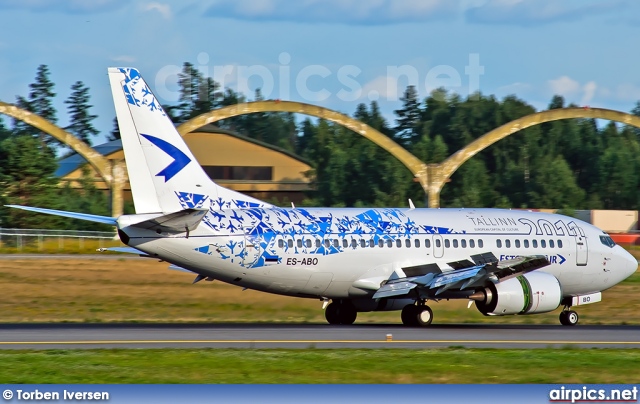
180 160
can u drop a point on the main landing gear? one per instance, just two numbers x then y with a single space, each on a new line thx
341 312
419 315
568 317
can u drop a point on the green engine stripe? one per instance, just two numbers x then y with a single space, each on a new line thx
526 290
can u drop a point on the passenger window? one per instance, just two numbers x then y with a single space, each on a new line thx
345 243
281 243
317 243
463 243
372 243
480 243
447 243
290 243
327 243
336 243
417 243
438 243
389 243
543 244
559 243
526 244
380 243
354 243
499 243
507 243
363 243
551 244
398 243
407 243
427 243
534 243
299 243
472 243
517 243
455 243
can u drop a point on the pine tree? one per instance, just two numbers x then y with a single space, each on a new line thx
115 132
78 106
40 102
407 123
4 131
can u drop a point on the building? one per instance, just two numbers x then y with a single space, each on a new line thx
234 161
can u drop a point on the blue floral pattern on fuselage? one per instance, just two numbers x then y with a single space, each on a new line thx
303 231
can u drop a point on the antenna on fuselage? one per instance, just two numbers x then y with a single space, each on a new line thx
411 205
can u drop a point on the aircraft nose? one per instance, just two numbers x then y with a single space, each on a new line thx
631 264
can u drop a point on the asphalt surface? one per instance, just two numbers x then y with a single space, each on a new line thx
85 336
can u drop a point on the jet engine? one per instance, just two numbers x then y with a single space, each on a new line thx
535 292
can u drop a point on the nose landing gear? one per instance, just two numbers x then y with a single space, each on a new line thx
568 317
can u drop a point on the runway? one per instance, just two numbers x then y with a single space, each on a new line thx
91 336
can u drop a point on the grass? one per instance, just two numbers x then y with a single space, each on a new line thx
452 365
144 290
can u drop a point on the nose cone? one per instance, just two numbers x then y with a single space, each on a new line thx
630 264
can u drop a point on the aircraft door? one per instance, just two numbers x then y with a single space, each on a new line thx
438 246
582 249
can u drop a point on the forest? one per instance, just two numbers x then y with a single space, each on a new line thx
567 164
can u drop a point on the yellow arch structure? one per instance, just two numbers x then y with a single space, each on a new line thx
113 175
432 177
440 173
414 164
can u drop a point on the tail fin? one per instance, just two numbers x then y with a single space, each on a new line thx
163 173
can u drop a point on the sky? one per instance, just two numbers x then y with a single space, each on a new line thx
333 53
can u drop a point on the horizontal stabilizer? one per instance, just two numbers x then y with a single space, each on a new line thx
127 250
73 215
184 220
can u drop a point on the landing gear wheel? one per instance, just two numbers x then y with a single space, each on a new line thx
416 316
569 317
331 313
424 316
409 315
348 314
340 313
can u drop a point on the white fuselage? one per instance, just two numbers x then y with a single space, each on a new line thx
323 252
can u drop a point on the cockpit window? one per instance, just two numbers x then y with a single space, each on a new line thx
606 240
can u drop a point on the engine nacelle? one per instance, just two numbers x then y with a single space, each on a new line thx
381 305
535 292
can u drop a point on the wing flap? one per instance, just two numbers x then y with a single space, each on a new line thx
432 285
395 289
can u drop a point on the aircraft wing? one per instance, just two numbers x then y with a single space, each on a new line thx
465 276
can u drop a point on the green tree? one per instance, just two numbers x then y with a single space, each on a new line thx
408 121
40 102
115 131
80 118
26 178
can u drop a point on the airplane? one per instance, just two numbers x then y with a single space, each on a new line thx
507 262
